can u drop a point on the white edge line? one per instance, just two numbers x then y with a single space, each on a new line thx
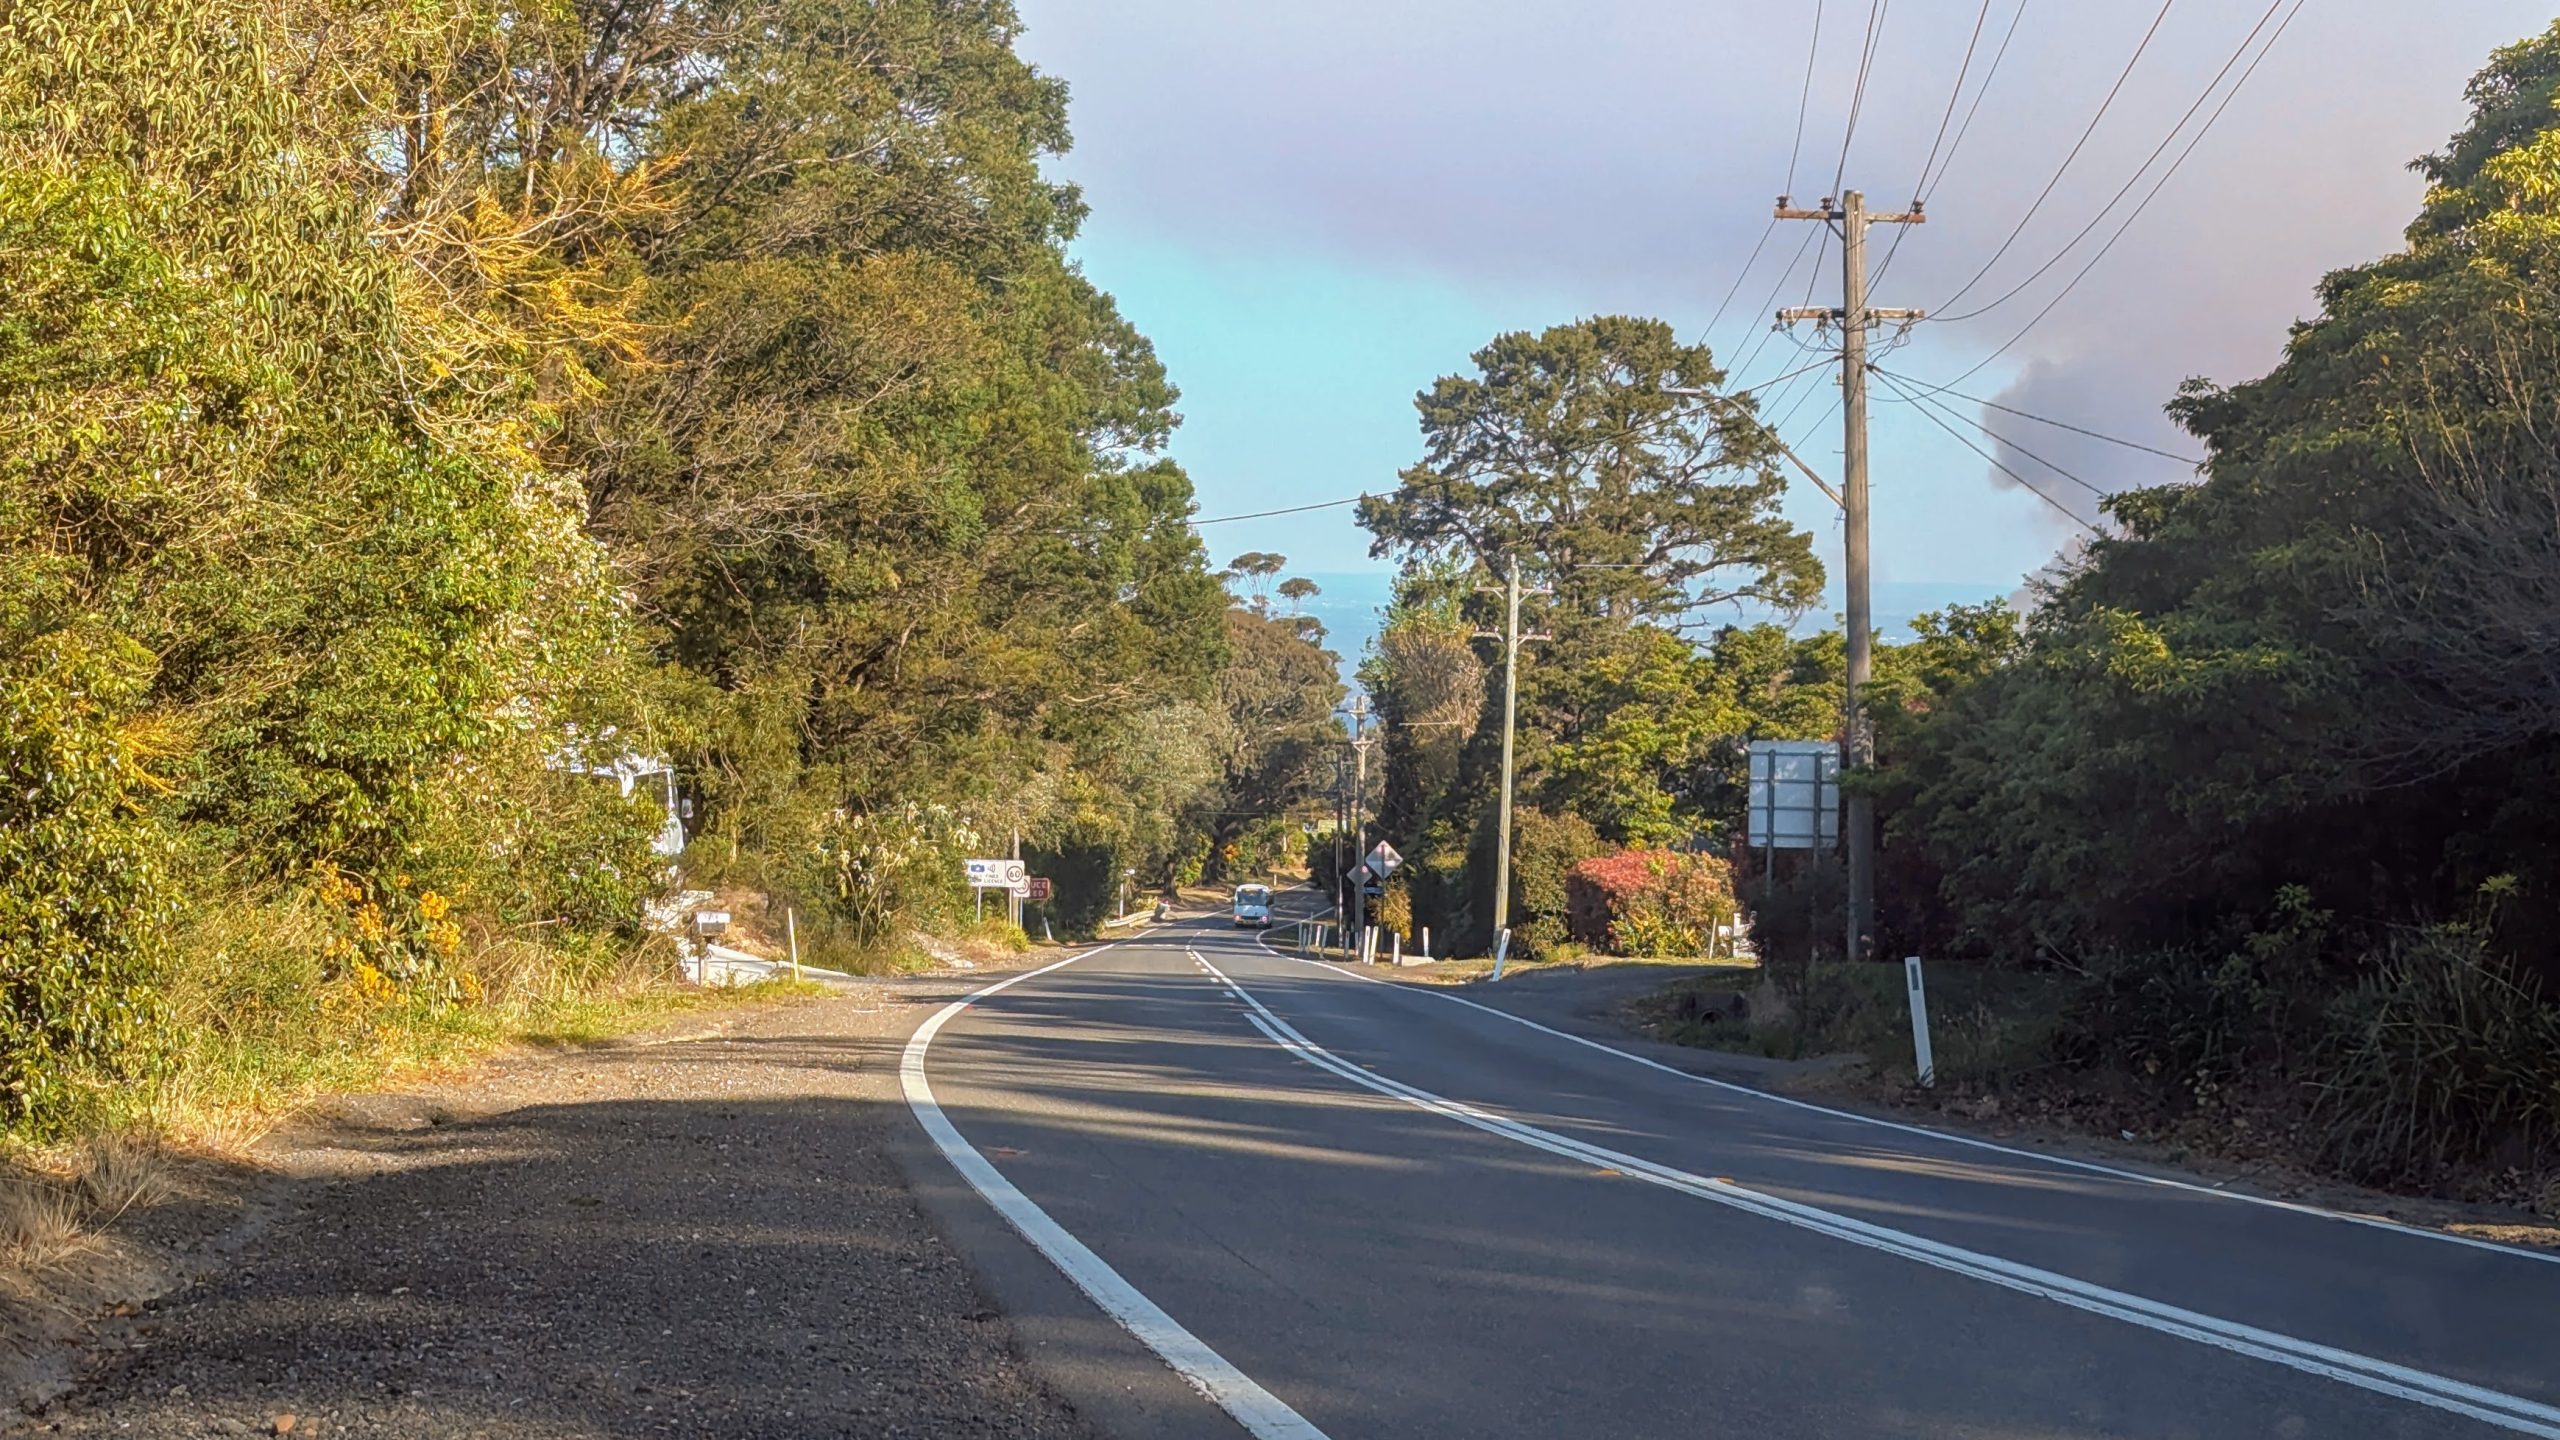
1263 1414
2375 1222
2511 1412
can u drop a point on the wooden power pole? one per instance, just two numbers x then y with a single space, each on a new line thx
1510 637
1855 317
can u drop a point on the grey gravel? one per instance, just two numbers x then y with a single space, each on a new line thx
702 1232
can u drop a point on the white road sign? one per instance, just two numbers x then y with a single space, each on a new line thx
998 874
1384 860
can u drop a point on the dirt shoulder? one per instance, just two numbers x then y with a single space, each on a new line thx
703 1230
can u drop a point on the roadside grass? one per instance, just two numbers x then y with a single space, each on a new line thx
257 1028
1988 1027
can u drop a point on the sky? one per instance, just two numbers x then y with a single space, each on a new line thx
1316 209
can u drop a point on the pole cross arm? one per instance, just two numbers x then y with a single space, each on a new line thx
1823 313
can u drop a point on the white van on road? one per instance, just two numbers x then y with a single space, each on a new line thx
1253 907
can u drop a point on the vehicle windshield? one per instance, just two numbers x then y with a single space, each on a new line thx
1253 895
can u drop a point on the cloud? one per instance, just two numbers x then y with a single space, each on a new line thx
1623 154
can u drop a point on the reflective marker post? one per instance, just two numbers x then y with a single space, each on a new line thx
1921 1059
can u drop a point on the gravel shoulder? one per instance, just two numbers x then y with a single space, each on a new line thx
705 1230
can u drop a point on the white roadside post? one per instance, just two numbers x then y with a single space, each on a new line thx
1426 942
1922 1060
1501 951
791 927
1395 945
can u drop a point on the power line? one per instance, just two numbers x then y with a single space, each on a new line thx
1739 276
1876 11
1774 291
1921 185
1920 189
2066 511
1286 510
1942 406
1929 185
1812 51
2135 178
1197 521
2056 424
2154 193
2064 168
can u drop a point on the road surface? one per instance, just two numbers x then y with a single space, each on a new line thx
1339 1207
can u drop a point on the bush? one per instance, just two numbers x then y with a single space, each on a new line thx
2197 1019
2438 1060
1544 850
83 887
1648 902
998 933
1393 908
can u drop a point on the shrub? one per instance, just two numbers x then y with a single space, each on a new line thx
1649 902
2441 1058
2197 1018
1544 850
1393 908
82 870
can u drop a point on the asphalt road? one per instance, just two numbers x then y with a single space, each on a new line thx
1357 1209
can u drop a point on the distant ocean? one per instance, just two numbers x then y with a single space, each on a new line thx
1351 601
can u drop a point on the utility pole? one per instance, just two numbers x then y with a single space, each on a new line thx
1510 637
1855 317
1361 740
1342 826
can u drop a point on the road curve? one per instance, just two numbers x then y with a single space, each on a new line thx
1350 1209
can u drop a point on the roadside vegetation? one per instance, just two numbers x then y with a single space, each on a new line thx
2240 829
409 413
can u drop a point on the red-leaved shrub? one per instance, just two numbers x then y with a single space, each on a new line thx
1648 902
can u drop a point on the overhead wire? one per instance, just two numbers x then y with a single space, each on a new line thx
2065 167
2131 180
1741 275
1994 461
1775 291
1943 407
2049 420
2165 176
1804 100
1929 183
1876 12
1199 520
1920 188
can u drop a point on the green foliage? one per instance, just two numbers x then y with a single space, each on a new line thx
1568 452
83 892
2438 1059
1544 850
400 405
1393 909
1649 902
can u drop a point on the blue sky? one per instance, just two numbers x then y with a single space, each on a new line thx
1316 209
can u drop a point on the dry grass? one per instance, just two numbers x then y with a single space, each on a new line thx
60 1260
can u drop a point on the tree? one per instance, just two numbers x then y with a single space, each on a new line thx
889 481
2319 667
1253 569
1298 590
1568 452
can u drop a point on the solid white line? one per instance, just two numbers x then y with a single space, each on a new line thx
1263 1414
2090 1167
2510 1412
